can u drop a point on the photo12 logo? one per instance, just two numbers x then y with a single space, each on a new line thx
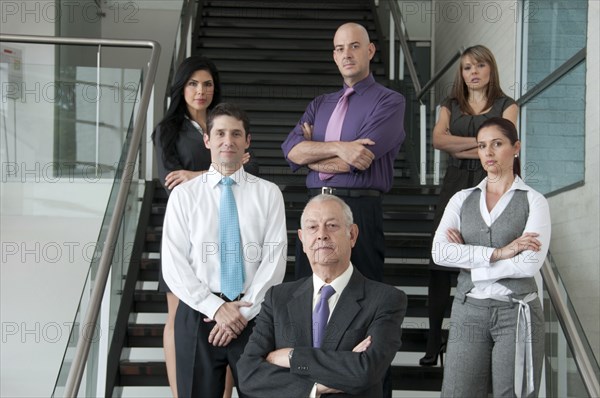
66 11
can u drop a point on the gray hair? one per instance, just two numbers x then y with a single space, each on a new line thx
326 197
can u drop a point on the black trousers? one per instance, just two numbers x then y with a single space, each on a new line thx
201 367
368 255
441 278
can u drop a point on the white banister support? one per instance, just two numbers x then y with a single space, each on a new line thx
436 153
392 67
423 146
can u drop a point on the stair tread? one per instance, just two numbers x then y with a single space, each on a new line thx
280 23
154 373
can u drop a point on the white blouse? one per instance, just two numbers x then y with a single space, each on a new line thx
477 258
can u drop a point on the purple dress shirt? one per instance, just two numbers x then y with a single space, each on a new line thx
374 112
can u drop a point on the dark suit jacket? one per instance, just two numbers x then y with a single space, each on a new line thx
365 308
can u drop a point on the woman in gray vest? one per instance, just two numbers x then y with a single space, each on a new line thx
497 234
476 97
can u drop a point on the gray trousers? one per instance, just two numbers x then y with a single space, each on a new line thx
481 346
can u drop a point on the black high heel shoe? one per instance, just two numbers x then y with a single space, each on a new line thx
431 360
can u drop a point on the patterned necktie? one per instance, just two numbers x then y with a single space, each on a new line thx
232 267
321 315
334 126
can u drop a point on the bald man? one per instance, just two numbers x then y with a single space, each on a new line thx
358 166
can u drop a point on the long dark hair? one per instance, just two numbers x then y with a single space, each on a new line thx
170 125
509 130
460 91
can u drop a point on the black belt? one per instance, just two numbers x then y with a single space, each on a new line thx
226 299
351 193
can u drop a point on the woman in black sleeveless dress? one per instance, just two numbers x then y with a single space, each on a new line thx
476 97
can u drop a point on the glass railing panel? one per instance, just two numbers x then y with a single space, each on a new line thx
553 128
103 333
52 203
563 375
556 30
49 227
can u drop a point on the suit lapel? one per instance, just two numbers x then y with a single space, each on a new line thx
345 311
300 314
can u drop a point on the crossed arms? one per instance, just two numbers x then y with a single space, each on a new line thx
381 131
355 366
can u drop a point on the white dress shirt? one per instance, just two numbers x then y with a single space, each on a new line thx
190 245
338 284
477 258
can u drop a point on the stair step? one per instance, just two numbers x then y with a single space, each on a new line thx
156 302
404 272
280 23
154 373
331 79
287 92
271 44
313 5
417 378
133 373
269 13
150 336
316 33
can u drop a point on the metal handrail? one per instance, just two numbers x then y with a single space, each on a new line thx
588 368
397 15
83 345
553 77
440 73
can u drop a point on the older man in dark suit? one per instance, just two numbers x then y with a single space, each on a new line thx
334 332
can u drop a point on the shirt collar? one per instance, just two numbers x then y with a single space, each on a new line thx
363 85
214 177
195 124
517 185
338 284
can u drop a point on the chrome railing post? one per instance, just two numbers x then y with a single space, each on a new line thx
436 154
423 142
392 45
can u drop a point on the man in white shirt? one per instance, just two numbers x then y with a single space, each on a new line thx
362 325
211 327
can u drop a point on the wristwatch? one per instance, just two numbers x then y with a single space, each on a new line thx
290 354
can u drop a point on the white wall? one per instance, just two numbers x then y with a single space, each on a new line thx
151 20
47 245
417 18
464 24
576 213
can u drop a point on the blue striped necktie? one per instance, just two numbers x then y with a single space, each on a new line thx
232 266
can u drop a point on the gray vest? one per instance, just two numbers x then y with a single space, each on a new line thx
506 228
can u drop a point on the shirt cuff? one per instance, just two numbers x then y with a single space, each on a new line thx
212 304
313 392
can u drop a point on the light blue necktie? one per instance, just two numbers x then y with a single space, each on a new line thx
321 315
232 266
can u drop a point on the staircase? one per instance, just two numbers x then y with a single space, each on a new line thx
274 58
